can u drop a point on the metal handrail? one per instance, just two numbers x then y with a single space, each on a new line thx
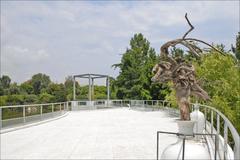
227 125
40 111
31 105
184 138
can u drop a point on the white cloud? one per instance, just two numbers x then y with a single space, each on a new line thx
16 53
63 38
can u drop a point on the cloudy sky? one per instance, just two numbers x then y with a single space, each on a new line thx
65 38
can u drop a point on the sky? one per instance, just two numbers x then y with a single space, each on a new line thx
62 38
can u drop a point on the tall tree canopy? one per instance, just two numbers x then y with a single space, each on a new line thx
40 81
134 80
5 81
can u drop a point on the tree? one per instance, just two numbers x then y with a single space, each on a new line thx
236 50
1 90
14 89
220 78
26 88
134 80
15 99
5 81
68 84
4 84
58 91
39 81
46 98
30 99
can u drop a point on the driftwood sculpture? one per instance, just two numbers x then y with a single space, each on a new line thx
182 74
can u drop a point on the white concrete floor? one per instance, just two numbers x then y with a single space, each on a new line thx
95 134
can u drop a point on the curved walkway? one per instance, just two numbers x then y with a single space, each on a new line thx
95 134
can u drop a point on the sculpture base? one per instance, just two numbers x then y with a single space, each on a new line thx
185 127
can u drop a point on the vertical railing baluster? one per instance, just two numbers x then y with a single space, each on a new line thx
218 132
0 118
216 147
183 151
205 112
41 108
52 109
225 139
157 144
211 121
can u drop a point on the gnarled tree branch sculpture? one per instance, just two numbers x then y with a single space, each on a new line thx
181 73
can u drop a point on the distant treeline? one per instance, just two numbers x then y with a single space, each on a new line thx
40 89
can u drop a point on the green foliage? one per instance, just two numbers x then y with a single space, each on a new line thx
30 99
4 84
5 81
237 53
40 81
220 77
46 98
134 80
14 99
26 88
171 97
3 100
58 91
236 50
14 89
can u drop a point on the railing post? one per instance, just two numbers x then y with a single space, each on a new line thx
225 140
211 122
0 118
52 109
24 116
183 151
41 108
60 106
218 132
205 112
157 144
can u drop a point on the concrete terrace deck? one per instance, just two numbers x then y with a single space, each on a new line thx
117 133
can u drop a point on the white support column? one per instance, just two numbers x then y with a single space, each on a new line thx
92 88
108 90
74 89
